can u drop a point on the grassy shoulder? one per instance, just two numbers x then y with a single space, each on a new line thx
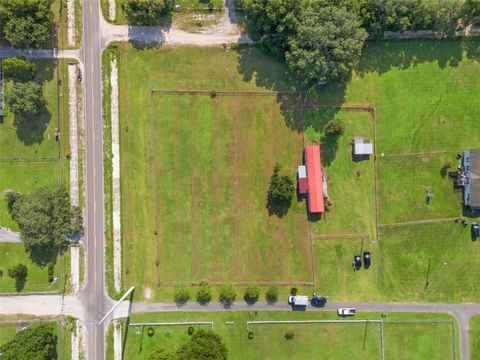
474 336
59 9
419 340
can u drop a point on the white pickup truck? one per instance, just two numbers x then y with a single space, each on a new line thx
346 311
298 300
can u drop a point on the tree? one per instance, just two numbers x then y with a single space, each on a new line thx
281 187
252 293
11 196
147 12
182 295
204 294
161 353
44 218
327 45
19 69
335 128
18 272
227 295
272 22
203 345
272 294
37 342
26 99
26 23
447 15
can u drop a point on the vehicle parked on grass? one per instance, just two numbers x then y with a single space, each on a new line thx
367 260
475 231
346 311
298 300
357 262
319 301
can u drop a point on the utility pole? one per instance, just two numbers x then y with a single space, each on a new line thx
428 269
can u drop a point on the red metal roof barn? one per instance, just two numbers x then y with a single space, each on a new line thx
314 176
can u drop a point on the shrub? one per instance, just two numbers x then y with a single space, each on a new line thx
252 293
1 272
18 272
150 331
160 353
213 94
250 335
204 293
191 330
227 295
272 294
182 295
51 269
289 335
335 128
293 291
11 197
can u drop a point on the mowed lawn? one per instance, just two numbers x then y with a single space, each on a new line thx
330 341
29 160
336 277
474 337
404 183
28 149
405 253
228 146
424 92
421 340
350 183
213 162
12 254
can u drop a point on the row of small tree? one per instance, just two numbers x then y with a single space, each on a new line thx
227 295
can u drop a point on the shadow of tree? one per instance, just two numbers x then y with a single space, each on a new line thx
383 55
276 207
42 255
329 146
30 128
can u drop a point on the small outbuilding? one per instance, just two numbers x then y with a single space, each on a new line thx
302 180
362 148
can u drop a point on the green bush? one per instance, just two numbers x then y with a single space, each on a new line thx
289 335
252 293
19 69
293 291
204 293
335 128
227 295
272 294
182 295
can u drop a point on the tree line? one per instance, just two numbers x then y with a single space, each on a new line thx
321 40
26 23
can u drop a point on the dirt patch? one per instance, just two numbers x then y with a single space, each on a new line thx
147 294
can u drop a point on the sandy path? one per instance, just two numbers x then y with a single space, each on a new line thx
71 23
117 250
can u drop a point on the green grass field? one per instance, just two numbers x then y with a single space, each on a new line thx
30 158
404 183
353 195
332 341
474 337
423 93
12 254
213 162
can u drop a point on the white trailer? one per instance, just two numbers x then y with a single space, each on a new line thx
298 300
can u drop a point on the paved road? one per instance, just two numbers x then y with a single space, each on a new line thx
7 235
93 295
462 312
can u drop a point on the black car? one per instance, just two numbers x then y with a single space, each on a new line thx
366 259
475 231
357 261
319 301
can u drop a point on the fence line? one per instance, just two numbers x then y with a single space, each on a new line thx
276 322
217 283
180 323
426 321
28 158
382 340
214 92
338 236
